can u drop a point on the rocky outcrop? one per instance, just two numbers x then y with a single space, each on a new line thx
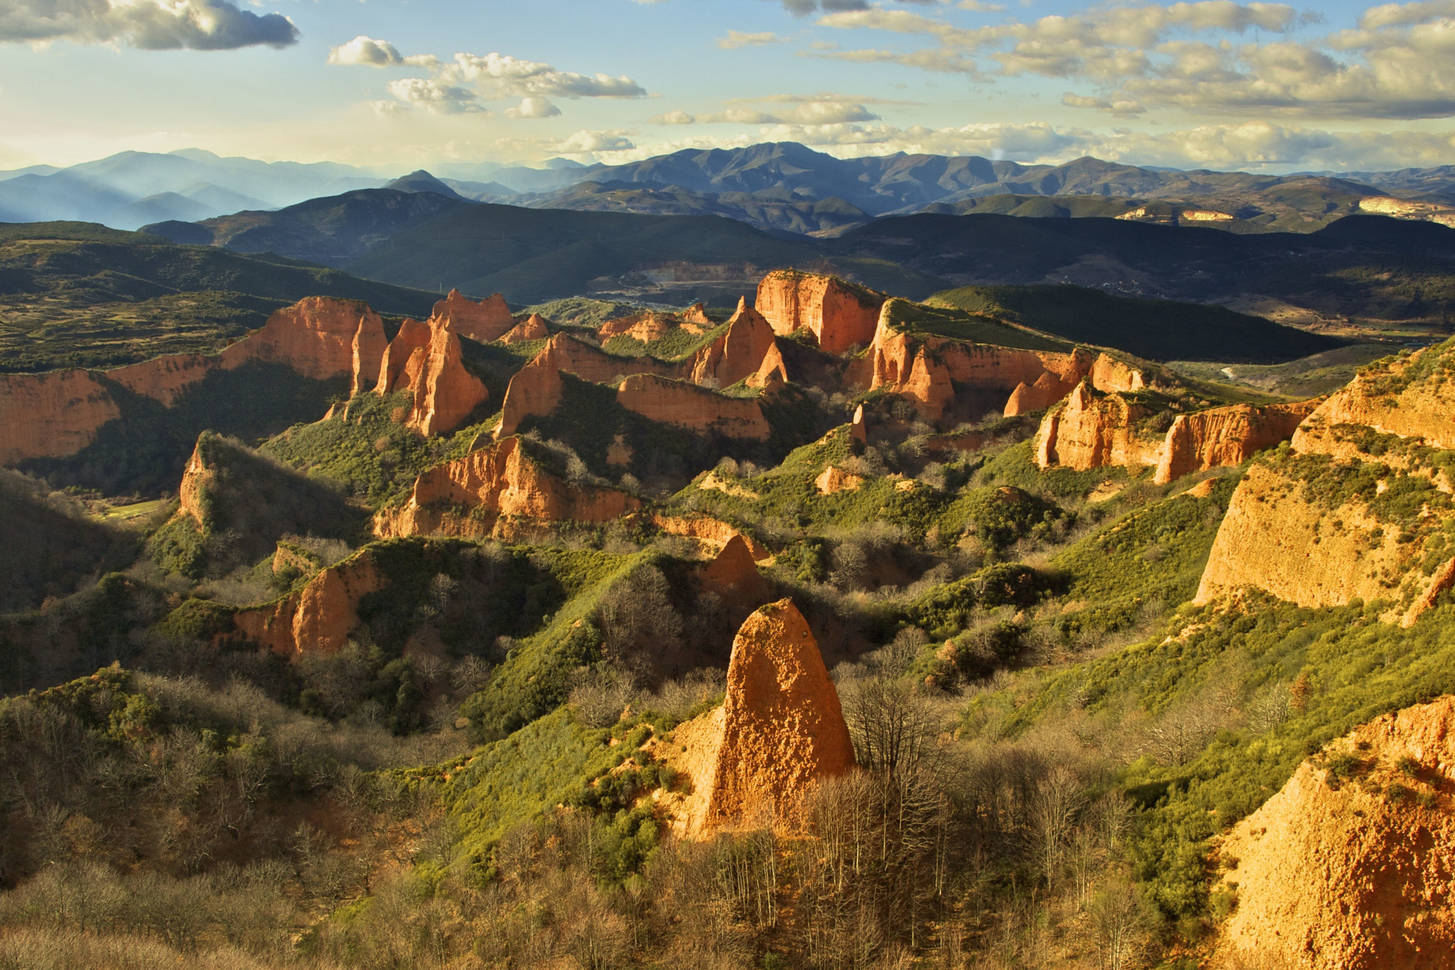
1092 430
51 415
413 335
782 727
368 349
317 618
488 320
840 314
695 319
427 360
748 351
314 337
834 479
531 328
56 414
1357 506
1226 436
688 406
938 372
477 495
197 477
1352 873
647 326
535 389
712 533
733 576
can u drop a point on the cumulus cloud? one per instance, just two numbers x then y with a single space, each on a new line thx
533 108
365 51
782 110
514 76
1187 55
434 95
590 142
736 39
147 24
674 118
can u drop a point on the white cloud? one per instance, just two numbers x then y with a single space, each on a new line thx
434 95
1185 55
368 52
737 38
513 76
674 118
533 107
591 142
148 24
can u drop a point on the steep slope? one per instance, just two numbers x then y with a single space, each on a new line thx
1351 866
487 491
1359 505
59 414
74 295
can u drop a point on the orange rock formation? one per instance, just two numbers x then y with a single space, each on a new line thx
841 315
314 337
782 727
317 618
535 389
733 575
747 351
688 406
475 495
1092 431
1327 546
712 533
531 328
488 320
1222 437
1347 876
51 415
58 413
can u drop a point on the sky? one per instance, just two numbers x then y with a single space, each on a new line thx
450 84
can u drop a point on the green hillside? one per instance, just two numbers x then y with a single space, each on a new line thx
80 295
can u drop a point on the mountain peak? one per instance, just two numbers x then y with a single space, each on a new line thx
421 181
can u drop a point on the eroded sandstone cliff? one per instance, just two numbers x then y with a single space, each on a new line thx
689 406
841 315
477 496
317 618
1358 506
1353 870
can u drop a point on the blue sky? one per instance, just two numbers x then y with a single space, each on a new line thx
444 84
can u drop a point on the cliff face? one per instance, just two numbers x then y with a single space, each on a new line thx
56 414
688 406
1091 431
1337 875
471 496
314 337
782 727
535 389
932 371
733 575
1223 437
51 415
840 315
647 326
714 534
747 351
1359 504
413 335
488 320
317 618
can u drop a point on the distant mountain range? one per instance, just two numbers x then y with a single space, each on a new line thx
131 189
783 188
1378 268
